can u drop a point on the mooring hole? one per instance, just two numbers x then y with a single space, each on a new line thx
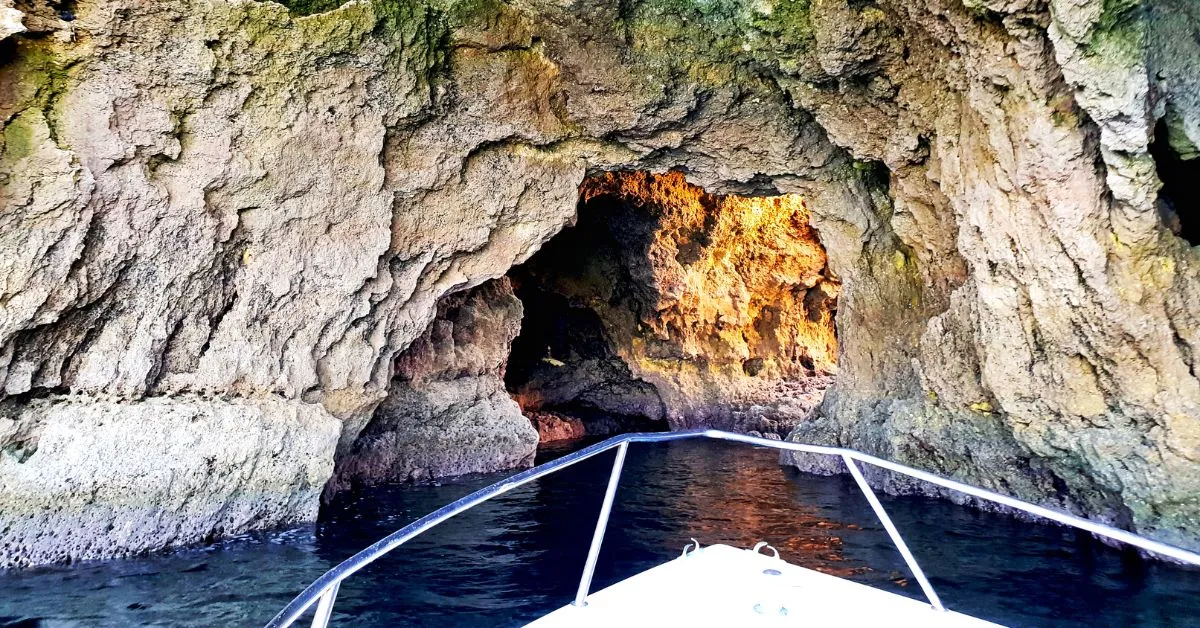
665 306
1178 166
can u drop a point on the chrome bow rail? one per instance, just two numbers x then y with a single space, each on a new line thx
324 590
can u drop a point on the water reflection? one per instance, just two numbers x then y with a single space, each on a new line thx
726 500
519 556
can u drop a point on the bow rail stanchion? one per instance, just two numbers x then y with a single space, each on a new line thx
589 567
894 533
325 606
323 592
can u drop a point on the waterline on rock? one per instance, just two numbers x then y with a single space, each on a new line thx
512 559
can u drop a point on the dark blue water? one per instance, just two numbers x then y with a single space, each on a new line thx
519 556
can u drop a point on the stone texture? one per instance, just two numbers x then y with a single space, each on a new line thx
10 20
1072 382
220 198
554 426
87 479
447 412
667 302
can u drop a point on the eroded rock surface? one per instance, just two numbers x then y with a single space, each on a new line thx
554 426
1060 364
210 199
669 303
10 20
447 412
85 478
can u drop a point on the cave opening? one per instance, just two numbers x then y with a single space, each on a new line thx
1178 166
666 307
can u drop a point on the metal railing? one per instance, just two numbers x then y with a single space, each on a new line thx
323 591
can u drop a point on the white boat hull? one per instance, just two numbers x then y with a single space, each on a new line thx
721 585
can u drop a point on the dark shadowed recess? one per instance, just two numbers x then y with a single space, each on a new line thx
1179 198
311 7
564 358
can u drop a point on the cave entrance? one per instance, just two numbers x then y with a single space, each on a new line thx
666 306
1178 166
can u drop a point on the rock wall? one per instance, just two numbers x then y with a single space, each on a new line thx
10 20
553 427
667 302
218 201
1060 365
84 478
447 412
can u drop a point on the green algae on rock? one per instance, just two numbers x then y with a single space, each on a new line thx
231 201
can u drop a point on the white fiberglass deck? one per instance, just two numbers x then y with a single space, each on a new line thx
721 585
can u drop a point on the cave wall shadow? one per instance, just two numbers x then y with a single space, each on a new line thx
593 309
564 360
1179 197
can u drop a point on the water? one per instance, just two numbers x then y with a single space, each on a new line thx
519 556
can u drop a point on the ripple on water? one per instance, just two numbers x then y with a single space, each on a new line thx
519 556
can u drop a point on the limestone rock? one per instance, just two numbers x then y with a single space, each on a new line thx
670 303
77 480
447 412
226 199
1062 346
554 427
10 20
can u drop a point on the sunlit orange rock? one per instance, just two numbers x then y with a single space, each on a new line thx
725 305
738 278
553 426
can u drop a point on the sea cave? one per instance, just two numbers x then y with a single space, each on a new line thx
664 304
302 269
